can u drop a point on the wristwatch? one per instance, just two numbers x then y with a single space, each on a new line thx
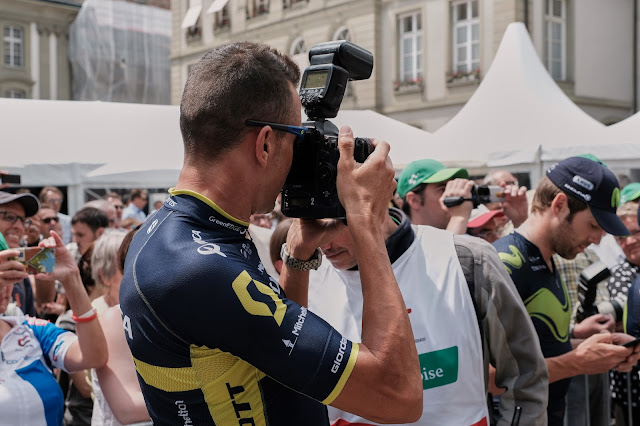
301 265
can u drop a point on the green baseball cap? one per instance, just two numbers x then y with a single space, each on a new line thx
630 192
426 171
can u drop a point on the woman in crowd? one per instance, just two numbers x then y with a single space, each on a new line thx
104 268
118 398
31 348
622 276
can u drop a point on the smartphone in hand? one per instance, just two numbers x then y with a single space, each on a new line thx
37 259
7 178
632 343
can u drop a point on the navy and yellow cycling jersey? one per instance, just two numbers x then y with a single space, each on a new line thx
546 299
214 339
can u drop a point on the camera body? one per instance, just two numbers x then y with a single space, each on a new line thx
589 279
310 188
485 194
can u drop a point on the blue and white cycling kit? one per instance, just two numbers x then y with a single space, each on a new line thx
29 393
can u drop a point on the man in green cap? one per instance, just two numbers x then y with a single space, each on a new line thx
630 192
423 184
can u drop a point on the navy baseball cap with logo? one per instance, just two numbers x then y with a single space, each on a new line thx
592 183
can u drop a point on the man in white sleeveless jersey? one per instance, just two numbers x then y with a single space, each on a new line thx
446 313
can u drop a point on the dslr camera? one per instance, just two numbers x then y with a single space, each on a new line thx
310 189
589 279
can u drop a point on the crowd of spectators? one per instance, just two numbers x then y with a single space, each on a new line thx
493 294
97 250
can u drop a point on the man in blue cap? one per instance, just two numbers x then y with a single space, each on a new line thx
574 205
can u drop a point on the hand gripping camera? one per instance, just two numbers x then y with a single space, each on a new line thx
310 189
589 279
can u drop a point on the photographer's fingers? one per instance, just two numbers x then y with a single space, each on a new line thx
381 151
346 145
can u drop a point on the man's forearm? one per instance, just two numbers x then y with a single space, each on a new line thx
385 322
458 225
562 366
295 284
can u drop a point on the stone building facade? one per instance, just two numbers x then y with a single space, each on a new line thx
34 48
430 55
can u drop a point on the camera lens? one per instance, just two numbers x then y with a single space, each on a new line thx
327 174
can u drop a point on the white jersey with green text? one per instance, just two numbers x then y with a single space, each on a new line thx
444 325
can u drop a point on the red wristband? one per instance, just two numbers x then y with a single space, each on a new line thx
86 317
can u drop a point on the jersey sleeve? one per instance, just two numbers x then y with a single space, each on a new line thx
254 321
55 342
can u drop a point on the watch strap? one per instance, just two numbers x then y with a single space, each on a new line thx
301 265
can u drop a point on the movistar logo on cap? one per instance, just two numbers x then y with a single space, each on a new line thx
579 180
586 197
615 197
414 178
439 368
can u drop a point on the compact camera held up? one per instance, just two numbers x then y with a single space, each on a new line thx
480 194
310 189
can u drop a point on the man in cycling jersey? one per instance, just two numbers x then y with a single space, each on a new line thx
214 338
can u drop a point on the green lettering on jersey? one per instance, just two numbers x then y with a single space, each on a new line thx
545 306
515 259
439 368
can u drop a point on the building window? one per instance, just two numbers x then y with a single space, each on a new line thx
288 4
15 94
191 21
257 8
342 34
222 22
555 20
410 47
466 37
13 46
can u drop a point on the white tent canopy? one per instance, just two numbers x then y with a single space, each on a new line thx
518 114
404 139
627 130
100 144
155 166
59 142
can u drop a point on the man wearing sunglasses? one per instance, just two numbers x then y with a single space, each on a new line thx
15 209
53 196
214 338
49 220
